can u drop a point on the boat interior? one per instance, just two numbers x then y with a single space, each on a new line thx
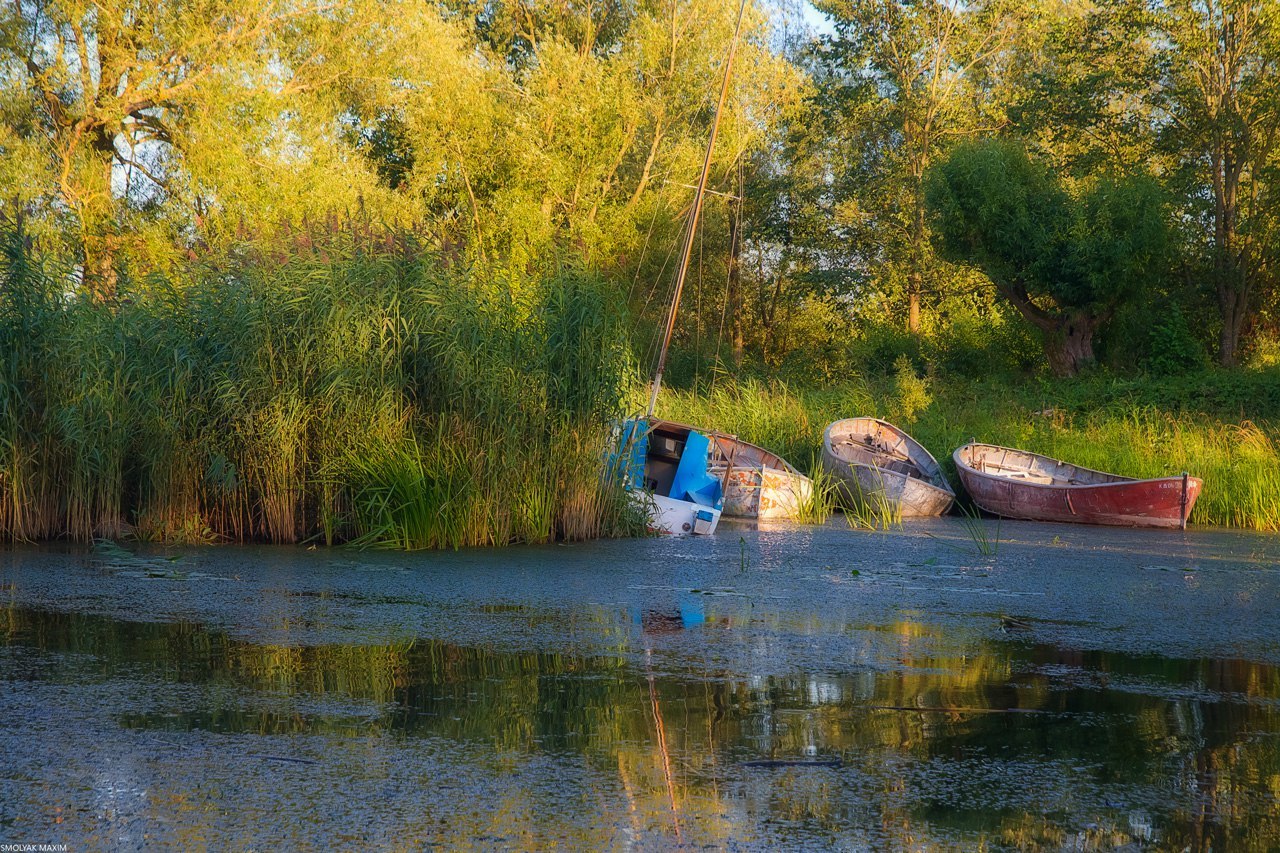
666 447
1031 467
729 452
867 441
676 464
726 451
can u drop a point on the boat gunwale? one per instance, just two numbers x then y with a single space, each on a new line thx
963 467
787 466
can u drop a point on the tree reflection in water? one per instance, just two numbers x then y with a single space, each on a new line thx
1005 743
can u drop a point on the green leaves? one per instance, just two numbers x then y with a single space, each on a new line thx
1066 260
997 208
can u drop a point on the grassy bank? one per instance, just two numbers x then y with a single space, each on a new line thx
337 389
347 388
1212 426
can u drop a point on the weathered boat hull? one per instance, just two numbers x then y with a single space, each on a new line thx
860 483
906 496
1164 502
670 516
758 483
750 482
767 493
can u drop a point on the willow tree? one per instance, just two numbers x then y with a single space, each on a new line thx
575 131
1077 81
114 101
103 80
1066 261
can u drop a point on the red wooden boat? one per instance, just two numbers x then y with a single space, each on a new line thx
1019 484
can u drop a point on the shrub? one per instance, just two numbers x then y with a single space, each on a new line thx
1172 349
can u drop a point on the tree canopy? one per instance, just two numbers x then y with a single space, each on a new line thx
1066 261
522 135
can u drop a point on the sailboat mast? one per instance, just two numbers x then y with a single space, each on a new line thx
692 226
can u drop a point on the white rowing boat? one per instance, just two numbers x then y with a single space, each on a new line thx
875 463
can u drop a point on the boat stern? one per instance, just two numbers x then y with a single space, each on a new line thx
679 517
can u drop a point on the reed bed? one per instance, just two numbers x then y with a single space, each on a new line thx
872 511
342 388
1238 459
353 388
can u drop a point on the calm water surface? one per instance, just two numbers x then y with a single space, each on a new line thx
763 689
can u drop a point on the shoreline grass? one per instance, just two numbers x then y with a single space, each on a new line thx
821 501
873 510
351 392
1238 458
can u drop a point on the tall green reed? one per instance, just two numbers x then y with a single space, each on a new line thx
871 509
820 503
340 388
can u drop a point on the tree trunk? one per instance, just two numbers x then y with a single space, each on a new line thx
1232 155
100 238
913 309
1068 342
1067 336
1232 279
919 247
1233 304
99 275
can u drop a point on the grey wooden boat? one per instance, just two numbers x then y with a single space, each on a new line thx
874 463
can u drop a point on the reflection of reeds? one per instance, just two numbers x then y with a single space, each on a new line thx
399 692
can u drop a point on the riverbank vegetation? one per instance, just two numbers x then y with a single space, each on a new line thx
1140 428
347 391
385 272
